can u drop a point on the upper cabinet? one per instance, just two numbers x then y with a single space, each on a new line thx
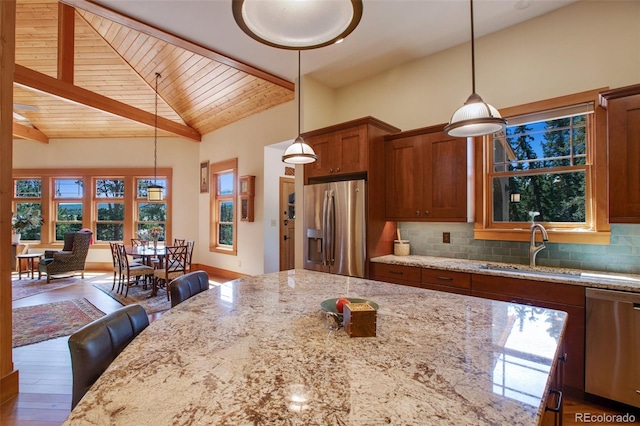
345 148
623 131
426 176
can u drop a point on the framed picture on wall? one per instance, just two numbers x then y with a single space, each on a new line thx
204 176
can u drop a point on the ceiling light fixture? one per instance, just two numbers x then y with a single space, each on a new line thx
299 152
475 117
297 24
154 192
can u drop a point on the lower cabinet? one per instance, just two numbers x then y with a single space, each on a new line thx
552 415
397 274
449 281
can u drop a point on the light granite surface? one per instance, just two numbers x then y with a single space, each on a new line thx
597 279
260 351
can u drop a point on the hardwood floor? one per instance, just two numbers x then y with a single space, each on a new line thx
45 369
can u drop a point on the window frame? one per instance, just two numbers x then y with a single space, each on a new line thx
595 180
89 199
97 200
26 200
216 198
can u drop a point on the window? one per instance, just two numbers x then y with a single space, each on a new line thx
68 206
110 202
109 207
27 196
223 217
544 165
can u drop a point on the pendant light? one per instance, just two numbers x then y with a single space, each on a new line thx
295 24
154 192
475 117
299 152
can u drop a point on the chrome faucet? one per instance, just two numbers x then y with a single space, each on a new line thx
533 249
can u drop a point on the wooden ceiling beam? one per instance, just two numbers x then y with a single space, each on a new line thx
43 83
66 42
29 133
110 14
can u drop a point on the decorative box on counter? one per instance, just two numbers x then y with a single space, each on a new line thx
359 320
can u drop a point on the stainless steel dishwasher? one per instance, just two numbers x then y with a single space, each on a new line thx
612 359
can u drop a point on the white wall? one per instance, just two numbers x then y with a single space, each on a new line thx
583 46
245 140
273 169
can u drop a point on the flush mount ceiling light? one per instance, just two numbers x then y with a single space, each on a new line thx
154 192
475 117
297 24
299 152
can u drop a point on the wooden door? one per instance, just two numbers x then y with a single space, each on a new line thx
353 150
287 223
623 118
404 182
445 176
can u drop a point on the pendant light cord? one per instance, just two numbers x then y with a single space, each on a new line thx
299 92
155 136
473 53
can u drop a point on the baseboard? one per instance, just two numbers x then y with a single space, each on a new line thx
211 270
9 386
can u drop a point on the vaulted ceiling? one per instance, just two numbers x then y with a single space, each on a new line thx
83 71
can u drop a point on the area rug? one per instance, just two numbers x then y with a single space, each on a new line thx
28 287
137 294
33 324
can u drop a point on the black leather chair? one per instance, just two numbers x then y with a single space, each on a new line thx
97 344
188 285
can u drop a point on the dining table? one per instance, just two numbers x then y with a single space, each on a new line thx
268 349
146 252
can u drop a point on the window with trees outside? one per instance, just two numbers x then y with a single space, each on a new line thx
223 206
110 202
27 199
542 167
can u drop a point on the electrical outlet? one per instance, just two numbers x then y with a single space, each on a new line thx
446 237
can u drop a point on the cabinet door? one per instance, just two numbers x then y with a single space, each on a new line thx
326 148
404 183
352 145
624 156
445 176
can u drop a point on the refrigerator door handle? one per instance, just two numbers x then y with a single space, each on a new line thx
324 228
331 255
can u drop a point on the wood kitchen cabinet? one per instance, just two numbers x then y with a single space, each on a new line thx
449 281
346 148
564 297
397 274
426 176
623 134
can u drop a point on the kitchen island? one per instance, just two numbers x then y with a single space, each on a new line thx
260 350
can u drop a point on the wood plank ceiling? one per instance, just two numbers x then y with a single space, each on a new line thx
84 71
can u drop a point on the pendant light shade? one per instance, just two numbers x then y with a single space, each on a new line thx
299 152
475 117
154 192
296 24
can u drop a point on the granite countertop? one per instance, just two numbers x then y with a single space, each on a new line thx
259 350
606 280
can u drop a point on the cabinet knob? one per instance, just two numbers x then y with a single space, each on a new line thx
417 212
426 212
338 170
330 170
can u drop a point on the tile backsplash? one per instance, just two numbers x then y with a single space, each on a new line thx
622 255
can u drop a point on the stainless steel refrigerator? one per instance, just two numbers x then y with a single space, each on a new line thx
335 227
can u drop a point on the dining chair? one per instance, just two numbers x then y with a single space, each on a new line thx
117 268
174 265
94 346
178 242
131 272
190 244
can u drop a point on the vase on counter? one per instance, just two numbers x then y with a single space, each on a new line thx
155 243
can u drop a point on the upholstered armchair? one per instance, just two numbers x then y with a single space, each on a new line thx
69 260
